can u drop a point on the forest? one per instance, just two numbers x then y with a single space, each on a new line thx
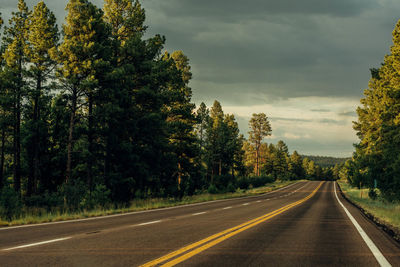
93 114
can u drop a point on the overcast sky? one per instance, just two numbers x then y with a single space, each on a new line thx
303 63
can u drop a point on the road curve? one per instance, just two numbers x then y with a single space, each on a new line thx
301 225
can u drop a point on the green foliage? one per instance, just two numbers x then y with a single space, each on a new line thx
10 204
378 126
73 193
326 161
212 189
98 198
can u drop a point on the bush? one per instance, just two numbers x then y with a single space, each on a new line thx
372 194
47 200
73 193
230 188
212 189
10 203
243 183
99 197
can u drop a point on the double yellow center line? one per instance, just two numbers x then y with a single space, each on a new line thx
196 248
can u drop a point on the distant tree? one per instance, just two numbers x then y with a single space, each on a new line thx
260 128
295 165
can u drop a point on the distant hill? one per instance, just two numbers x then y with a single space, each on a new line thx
325 161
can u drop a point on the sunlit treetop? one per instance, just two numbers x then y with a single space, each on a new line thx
15 34
125 17
43 36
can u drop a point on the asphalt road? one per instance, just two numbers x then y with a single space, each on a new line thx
301 225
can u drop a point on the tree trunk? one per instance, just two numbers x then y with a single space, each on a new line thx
70 135
257 158
17 132
3 140
34 160
90 143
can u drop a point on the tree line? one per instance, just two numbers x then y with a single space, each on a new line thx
376 161
95 112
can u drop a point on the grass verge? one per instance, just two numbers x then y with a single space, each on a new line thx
40 215
384 211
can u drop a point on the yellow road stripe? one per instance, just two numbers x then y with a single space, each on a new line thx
219 237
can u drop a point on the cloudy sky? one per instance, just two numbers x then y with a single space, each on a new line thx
303 63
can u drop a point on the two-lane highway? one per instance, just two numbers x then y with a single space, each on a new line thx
304 224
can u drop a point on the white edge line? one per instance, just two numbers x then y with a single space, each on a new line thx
199 213
245 204
377 253
146 223
37 244
139 212
226 208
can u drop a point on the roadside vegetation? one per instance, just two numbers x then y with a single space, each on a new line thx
385 211
29 215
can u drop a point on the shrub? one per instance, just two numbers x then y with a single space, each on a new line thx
212 189
73 193
99 197
372 194
243 183
10 203
230 188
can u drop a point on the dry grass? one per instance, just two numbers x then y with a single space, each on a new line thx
385 211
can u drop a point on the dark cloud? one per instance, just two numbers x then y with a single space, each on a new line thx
258 51
255 52
261 8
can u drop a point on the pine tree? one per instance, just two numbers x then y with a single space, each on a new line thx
81 53
214 145
181 117
260 128
43 38
295 165
15 41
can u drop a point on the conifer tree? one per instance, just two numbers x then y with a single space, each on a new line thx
81 53
43 38
180 117
15 57
260 128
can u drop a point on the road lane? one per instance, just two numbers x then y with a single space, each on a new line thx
14 236
178 228
315 232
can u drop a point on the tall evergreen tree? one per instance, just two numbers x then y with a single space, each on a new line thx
15 39
180 117
260 128
43 38
81 53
